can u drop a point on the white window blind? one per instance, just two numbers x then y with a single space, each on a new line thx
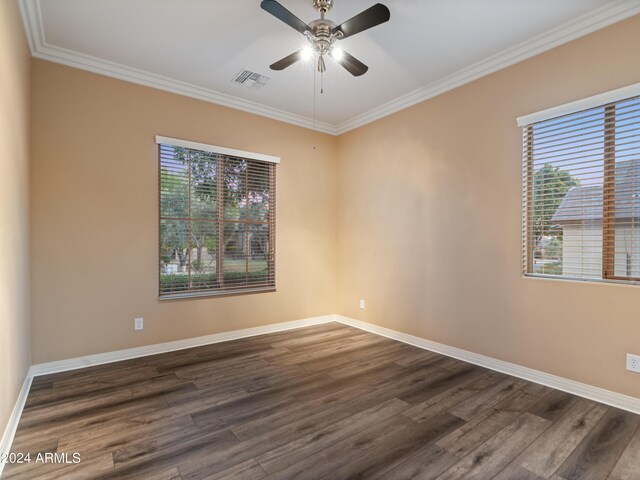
217 220
581 194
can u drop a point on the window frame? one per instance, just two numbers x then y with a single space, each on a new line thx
608 101
219 219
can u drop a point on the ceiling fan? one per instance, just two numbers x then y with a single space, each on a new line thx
323 34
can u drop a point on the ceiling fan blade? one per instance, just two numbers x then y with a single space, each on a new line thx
364 20
278 11
354 66
287 61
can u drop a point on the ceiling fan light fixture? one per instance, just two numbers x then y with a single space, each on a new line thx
337 53
306 53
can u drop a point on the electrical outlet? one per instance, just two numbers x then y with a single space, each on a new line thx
362 304
633 363
138 323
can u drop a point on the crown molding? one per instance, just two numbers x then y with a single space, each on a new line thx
133 75
576 28
580 26
32 18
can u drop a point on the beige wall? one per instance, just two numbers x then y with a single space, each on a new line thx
14 207
430 221
95 215
418 213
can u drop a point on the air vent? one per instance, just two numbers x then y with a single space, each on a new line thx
250 79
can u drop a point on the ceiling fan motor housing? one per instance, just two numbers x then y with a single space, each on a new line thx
321 37
322 6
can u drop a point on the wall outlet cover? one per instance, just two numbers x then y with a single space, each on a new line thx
633 363
138 323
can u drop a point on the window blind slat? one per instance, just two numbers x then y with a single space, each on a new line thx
581 194
217 222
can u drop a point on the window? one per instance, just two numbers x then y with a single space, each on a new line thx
581 194
217 220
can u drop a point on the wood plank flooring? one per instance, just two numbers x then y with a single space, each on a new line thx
328 402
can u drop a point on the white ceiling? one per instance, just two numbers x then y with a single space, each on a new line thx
195 47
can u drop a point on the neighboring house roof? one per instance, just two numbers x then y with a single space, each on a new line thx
585 203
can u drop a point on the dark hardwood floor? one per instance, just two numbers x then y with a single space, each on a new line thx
322 402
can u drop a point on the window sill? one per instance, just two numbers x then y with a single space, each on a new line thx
628 283
216 293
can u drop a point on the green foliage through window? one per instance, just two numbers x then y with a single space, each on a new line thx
217 222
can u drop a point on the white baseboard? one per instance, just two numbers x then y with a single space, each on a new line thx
110 357
14 419
601 395
130 353
618 400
